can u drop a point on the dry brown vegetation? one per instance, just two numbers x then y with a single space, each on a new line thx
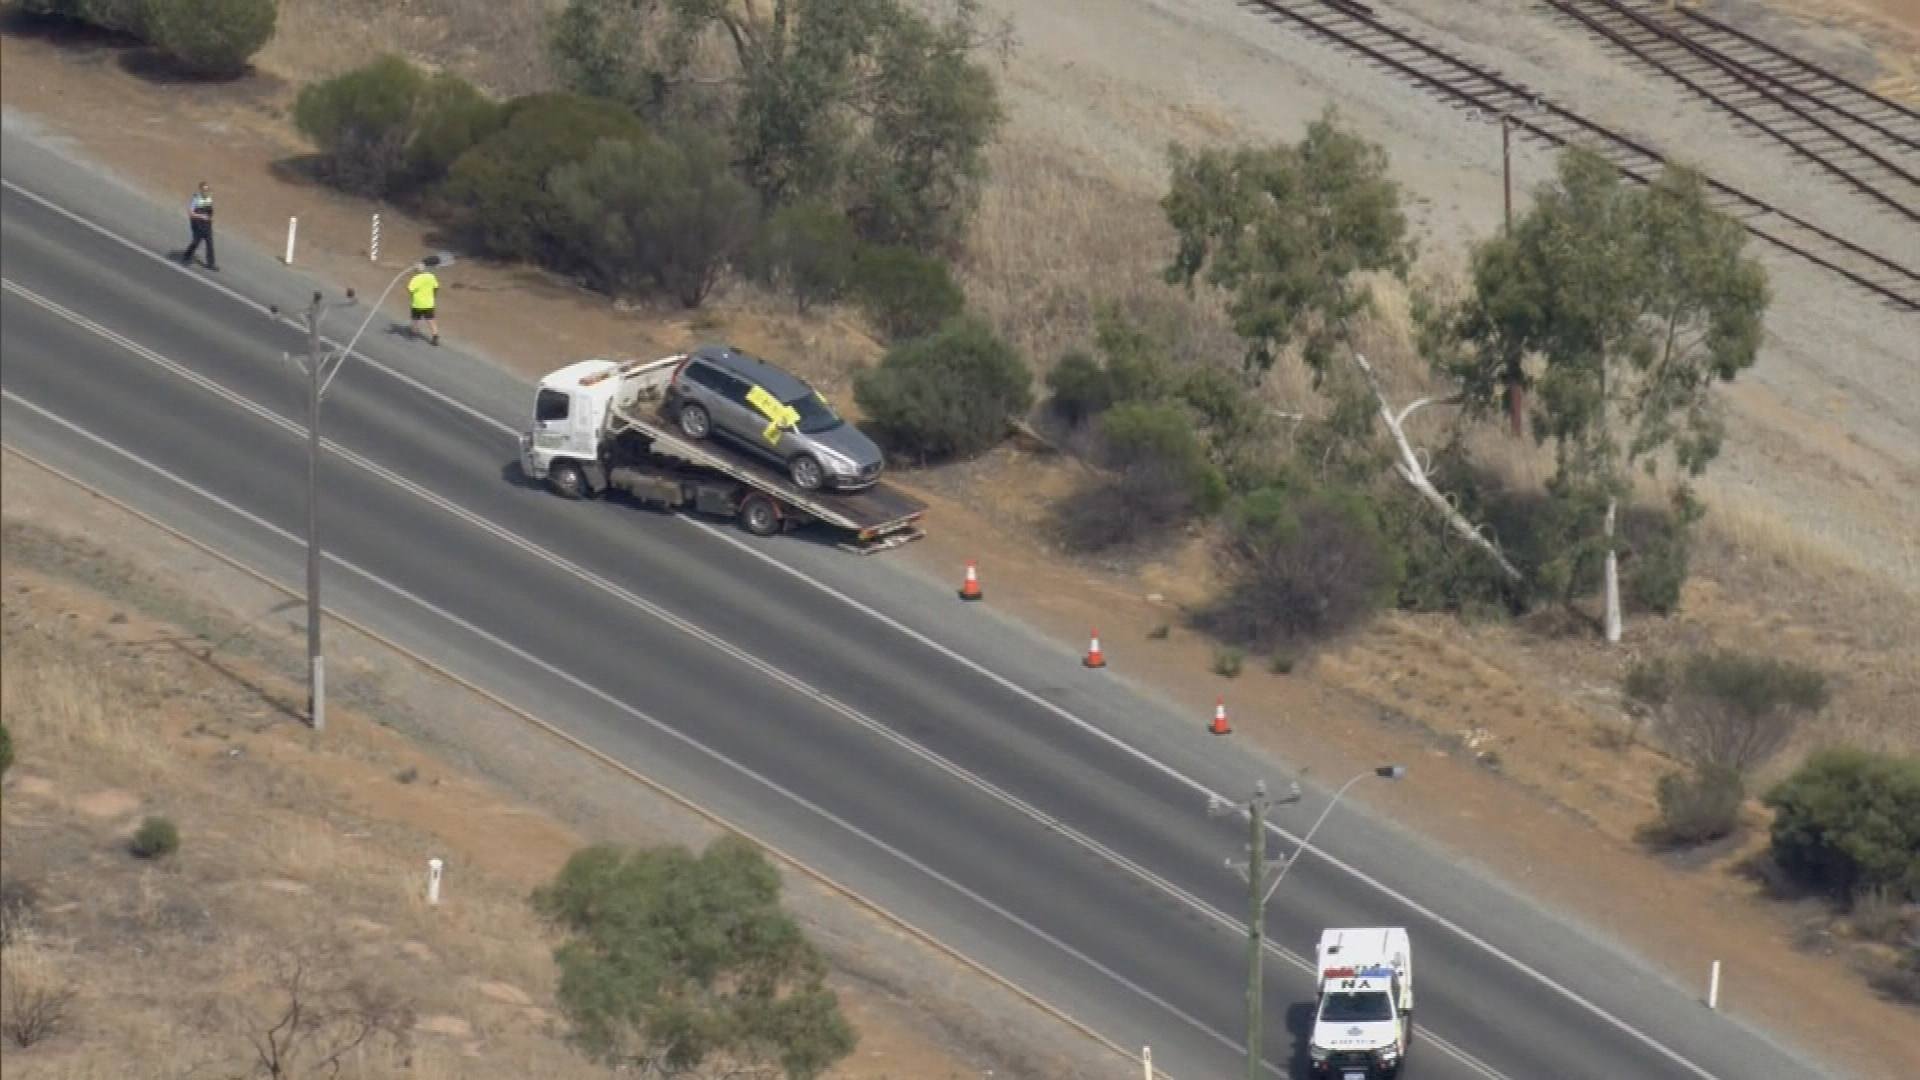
291 929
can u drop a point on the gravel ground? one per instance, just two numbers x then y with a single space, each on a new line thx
1833 406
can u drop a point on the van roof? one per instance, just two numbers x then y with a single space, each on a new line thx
1364 951
778 383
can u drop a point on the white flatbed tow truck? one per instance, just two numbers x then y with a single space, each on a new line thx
599 426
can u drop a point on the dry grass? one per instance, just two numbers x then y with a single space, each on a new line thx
495 43
295 852
177 958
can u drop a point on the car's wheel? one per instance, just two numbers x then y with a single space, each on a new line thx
806 472
695 423
568 480
759 516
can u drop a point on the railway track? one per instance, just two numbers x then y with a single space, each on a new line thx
1869 143
1355 28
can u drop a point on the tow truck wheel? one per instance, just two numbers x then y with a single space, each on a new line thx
806 472
567 480
760 516
694 421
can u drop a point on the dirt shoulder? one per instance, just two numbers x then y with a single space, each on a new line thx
1527 763
143 678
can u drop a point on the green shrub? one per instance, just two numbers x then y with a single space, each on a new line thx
1078 388
497 192
156 839
1227 661
808 251
6 750
1159 479
672 957
952 395
1445 573
905 293
661 213
390 128
1849 819
1655 574
211 37
1132 368
1699 805
1283 662
1304 567
1728 709
1896 976
1649 682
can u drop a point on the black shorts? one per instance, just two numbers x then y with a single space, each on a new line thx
423 313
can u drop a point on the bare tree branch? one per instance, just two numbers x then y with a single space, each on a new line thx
1414 472
316 1027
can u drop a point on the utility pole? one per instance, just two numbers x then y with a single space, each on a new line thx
1256 809
1256 931
317 374
319 377
1516 385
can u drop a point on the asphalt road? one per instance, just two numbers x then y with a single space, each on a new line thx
1048 821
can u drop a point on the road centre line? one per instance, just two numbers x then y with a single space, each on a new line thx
792 682
1566 992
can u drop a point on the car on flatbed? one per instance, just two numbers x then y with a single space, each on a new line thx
718 391
603 426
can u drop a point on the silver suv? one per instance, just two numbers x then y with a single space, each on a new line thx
720 391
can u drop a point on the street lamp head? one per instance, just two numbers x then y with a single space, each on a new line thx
1391 772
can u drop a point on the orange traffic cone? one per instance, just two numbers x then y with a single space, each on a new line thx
970 589
1094 659
1220 725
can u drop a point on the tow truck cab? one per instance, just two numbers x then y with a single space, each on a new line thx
1363 1020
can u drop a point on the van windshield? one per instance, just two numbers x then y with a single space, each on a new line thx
1368 1008
816 416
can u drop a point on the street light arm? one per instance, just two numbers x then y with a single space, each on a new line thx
347 350
1308 838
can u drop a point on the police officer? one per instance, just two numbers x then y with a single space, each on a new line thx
200 217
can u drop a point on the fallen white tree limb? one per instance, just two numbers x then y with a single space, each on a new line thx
1408 465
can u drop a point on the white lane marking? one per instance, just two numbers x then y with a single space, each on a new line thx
585 687
772 672
1594 1008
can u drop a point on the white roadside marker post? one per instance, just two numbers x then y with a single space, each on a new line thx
293 226
433 881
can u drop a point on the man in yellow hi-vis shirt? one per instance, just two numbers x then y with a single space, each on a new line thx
422 287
